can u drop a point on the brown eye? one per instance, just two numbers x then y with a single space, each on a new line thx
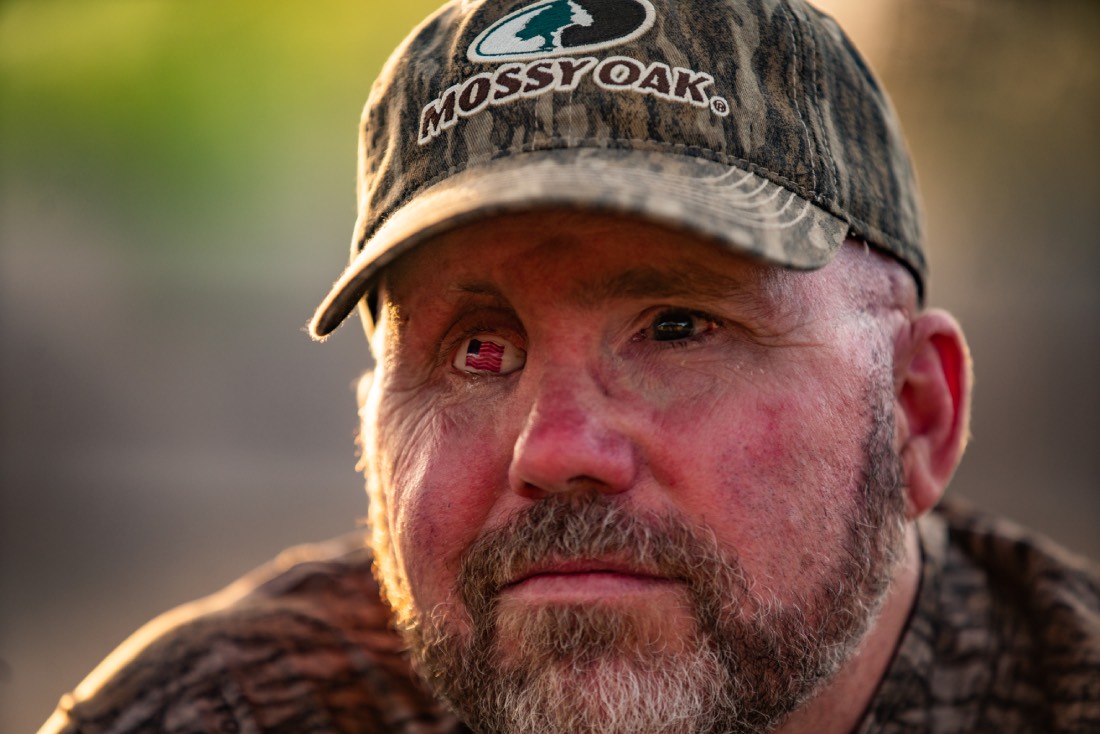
485 355
674 325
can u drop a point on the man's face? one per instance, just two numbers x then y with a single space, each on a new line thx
666 488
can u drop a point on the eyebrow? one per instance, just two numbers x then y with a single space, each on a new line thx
650 282
645 282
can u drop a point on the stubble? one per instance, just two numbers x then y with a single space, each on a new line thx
745 664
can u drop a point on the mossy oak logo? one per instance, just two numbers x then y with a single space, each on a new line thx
559 27
530 48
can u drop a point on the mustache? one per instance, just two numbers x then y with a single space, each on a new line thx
591 527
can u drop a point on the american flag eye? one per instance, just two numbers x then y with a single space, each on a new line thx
483 355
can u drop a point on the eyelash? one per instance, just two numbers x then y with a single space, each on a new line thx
711 324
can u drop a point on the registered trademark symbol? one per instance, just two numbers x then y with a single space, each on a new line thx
720 106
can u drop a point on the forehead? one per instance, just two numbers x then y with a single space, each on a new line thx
589 257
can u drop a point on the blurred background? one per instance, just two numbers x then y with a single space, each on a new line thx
176 194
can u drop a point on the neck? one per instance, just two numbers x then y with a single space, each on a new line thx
839 706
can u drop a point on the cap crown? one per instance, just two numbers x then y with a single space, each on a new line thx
771 87
790 99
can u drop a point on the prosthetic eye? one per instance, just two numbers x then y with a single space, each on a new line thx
482 355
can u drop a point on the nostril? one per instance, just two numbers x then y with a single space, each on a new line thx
530 491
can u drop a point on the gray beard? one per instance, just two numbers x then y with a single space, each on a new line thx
574 669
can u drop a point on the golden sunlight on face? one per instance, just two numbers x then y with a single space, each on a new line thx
580 422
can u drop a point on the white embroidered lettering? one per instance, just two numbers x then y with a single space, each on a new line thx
689 86
540 78
618 72
514 80
507 83
475 94
572 70
438 115
656 80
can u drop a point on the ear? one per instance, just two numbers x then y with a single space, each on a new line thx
932 378
367 308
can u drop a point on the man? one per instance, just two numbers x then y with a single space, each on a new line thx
658 424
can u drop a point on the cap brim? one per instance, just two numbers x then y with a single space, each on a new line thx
735 207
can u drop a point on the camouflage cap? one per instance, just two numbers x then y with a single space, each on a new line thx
751 122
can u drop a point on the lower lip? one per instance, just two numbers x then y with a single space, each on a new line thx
585 586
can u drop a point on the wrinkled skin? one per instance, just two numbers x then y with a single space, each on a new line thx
669 378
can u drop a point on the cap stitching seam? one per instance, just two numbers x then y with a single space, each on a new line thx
697 151
816 90
571 143
797 107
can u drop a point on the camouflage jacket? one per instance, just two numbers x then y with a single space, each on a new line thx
1004 637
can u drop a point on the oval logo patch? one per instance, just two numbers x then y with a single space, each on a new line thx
559 27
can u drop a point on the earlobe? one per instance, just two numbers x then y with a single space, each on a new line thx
932 374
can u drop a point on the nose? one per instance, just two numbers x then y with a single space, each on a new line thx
571 441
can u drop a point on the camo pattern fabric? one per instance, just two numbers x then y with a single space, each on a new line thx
301 645
1004 638
737 128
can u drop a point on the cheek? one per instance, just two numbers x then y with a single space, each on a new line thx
768 472
447 470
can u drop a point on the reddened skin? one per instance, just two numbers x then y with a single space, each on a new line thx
932 378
